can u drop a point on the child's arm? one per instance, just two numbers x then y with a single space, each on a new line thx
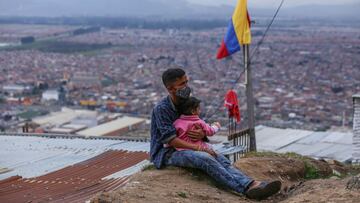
216 126
210 130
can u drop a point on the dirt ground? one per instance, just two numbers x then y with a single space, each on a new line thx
175 185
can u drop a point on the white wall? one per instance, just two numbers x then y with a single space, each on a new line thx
356 129
50 95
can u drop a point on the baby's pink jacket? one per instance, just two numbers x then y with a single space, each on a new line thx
186 123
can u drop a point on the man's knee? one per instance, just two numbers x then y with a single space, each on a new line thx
221 158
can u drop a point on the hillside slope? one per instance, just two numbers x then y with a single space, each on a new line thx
187 185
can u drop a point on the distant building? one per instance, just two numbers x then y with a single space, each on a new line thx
356 129
15 89
88 121
85 79
51 95
67 129
116 127
14 100
65 116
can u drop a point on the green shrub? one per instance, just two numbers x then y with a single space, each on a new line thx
310 171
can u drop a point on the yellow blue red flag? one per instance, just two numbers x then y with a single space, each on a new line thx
238 31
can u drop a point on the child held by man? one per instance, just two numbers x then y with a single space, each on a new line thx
189 119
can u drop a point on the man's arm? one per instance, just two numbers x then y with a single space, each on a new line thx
178 143
164 124
168 132
197 133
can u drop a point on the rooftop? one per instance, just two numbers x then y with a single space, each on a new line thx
111 126
73 169
75 183
62 117
330 145
30 156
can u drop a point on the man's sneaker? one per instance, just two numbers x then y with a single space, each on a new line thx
264 190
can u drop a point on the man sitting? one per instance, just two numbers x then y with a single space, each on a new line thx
164 142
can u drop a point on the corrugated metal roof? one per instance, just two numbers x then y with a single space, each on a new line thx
111 126
63 116
76 183
75 168
337 137
128 171
33 156
331 145
268 138
313 138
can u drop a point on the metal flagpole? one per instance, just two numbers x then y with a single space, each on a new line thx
249 97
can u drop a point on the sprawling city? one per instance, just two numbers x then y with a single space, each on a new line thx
82 115
303 75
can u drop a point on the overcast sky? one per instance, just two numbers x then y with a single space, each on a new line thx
274 3
175 8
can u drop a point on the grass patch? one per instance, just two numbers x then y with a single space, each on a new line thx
274 154
148 167
30 114
60 47
338 175
355 167
182 194
311 169
197 174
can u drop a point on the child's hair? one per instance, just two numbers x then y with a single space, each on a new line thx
189 105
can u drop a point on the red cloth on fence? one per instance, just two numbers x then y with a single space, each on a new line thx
232 104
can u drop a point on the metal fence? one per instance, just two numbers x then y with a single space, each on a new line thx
241 138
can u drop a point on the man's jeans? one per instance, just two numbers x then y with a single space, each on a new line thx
218 168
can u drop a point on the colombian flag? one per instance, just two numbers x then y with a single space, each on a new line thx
238 31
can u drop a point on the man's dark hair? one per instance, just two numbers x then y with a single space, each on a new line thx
188 105
171 75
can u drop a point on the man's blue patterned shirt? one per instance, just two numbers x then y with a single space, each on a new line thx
163 131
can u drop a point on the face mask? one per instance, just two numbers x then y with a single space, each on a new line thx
183 93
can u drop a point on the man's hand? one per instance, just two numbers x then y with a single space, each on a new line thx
196 133
210 151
